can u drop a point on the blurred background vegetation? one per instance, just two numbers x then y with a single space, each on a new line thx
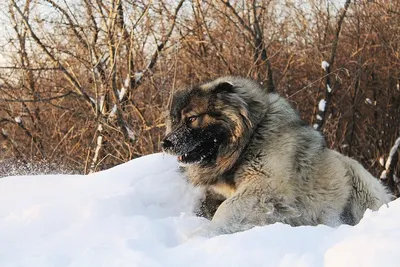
84 85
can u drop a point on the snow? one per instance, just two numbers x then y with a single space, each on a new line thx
324 65
18 119
138 76
368 101
127 81
101 103
382 160
121 93
321 105
96 152
141 214
131 134
319 117
113 112
4 132
315 125
328 88
393 150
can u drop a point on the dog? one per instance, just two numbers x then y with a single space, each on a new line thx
251 150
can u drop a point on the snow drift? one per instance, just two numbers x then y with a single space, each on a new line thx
140 214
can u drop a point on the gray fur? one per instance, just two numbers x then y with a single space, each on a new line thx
280 169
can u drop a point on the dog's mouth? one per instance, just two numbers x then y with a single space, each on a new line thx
200 154
188 158
191 157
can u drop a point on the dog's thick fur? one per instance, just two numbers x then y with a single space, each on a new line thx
251 148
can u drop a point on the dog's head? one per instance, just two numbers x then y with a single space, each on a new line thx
209 122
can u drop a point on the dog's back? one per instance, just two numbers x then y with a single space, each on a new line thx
329 187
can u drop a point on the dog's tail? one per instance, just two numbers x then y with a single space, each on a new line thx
368 192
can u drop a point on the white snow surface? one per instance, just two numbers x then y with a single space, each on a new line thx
141 214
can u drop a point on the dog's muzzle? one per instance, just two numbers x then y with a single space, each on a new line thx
166 144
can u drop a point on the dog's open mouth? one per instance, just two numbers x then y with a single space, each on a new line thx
197 155
191 157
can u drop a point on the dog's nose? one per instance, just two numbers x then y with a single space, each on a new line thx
165 144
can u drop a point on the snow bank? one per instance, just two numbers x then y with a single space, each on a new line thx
140 214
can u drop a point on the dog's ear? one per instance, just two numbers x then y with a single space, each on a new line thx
224 87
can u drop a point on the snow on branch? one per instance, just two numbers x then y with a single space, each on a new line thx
18 119
389 173
113 112
138 76
368 101
99 144
320 116
324 65
323 103
321 106
121 93
131 134
392 154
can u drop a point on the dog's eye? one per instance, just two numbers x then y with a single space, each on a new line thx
192 118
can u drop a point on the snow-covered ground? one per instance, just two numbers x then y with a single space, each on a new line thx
140 214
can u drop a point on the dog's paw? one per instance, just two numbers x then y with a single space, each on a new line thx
201 232
212 230
207 231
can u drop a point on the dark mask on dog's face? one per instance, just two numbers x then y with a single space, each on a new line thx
202 122
193 145
195 133
194 139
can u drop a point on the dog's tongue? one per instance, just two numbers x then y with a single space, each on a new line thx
180 158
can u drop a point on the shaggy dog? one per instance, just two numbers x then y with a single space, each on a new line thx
252 150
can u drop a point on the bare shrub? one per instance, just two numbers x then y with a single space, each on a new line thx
85 84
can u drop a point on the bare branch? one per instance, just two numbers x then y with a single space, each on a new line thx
70 21
68 75
321 117
238 17
161 46
38 99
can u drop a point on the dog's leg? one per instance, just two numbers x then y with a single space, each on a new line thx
230 217
242 212
209 204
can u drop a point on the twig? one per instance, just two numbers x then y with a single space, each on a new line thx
37 100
